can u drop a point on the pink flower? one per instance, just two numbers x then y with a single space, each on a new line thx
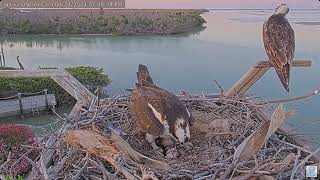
12 137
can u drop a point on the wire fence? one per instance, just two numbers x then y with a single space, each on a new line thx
24 95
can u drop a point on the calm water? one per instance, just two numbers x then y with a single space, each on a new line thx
231 43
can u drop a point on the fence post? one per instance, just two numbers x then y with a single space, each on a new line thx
20 103
46 97
0 59
3 60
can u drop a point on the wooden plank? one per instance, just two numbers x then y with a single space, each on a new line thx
32 73
296 63
246 81
76 84
13 106
63 78
75 110
75 89
255 73
66 86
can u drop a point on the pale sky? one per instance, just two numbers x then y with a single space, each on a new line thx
303 4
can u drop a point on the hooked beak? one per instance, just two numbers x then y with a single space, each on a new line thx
174 138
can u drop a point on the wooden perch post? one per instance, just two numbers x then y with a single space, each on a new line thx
255 73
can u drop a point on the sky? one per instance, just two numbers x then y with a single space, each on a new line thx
301 4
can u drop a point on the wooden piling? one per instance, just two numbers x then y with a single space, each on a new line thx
20 103
255 73
3 59
46 98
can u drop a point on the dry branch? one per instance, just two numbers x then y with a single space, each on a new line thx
110 149
295 98
250 146
209 157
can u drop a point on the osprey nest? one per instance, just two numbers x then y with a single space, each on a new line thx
232 138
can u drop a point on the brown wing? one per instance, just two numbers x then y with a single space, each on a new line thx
143 114
171 106
279 42
164 102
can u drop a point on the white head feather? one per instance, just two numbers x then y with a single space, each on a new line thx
282 9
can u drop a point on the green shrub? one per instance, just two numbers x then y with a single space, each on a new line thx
90 77
136 23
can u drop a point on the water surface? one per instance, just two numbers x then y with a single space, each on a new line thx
224 51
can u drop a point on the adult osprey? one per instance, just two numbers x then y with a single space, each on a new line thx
158 113
279 42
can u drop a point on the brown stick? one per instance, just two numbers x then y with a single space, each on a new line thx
294 98
108 149
7 161
255 73
295 63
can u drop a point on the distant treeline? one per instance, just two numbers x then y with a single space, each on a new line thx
84 21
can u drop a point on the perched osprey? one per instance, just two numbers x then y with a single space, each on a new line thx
279 42
158 113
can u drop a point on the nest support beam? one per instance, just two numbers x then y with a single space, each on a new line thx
255 73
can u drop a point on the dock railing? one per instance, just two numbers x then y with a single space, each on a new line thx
63 78
23 103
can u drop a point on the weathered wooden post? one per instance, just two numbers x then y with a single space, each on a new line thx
20 103
3 63
255 73
1 59
46 99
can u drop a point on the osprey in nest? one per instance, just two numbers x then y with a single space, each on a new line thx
279 42
158 113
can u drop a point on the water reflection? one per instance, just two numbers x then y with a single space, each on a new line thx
231 43
61 42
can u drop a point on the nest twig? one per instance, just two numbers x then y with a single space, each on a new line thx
210 157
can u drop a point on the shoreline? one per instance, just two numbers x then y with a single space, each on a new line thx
123 22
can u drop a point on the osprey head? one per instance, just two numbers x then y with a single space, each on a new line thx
282 9
182 127
181 130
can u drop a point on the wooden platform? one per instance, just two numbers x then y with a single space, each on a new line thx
63 78
30 104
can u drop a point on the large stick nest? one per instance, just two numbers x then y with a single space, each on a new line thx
221 124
